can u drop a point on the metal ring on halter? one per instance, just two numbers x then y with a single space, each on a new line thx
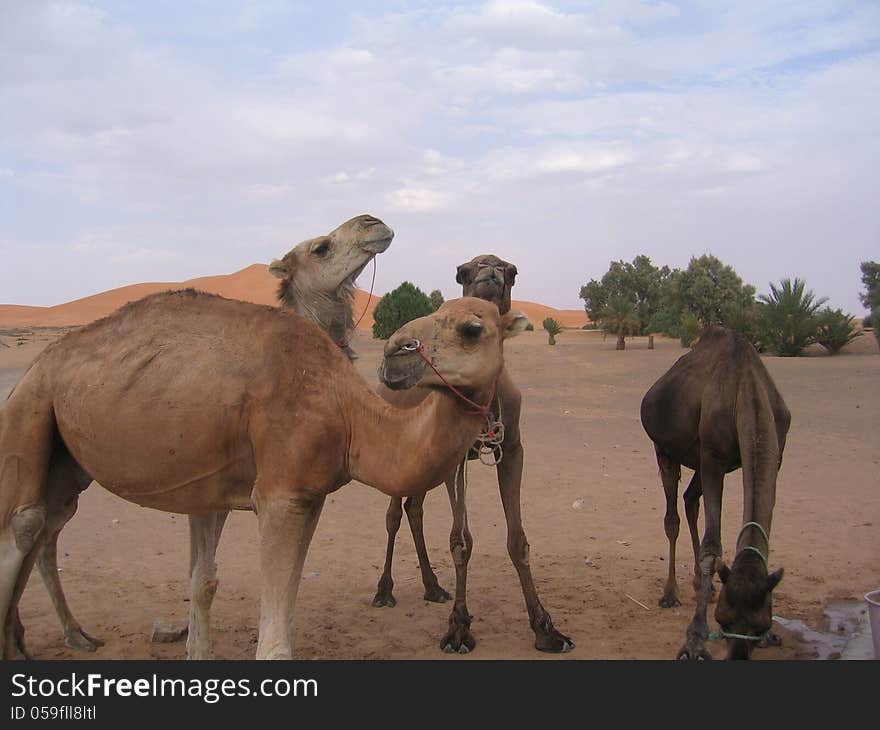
413 347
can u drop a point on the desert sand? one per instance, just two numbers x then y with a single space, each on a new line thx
593 511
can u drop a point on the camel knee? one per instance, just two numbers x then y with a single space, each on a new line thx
204 591
393 516
671 524
27 524
518 548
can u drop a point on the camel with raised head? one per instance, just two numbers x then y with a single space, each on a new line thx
317 281
191 403
490 278
716 410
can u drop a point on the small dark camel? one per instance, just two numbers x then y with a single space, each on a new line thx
490 278
716 410
191 403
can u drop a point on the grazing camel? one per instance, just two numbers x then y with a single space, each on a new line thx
490 278
716 410
191 403
317 281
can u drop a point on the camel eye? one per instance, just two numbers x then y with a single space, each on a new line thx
471 330
321 249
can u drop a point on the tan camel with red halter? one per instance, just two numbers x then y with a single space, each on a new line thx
191 403
716 410
317 281
490 278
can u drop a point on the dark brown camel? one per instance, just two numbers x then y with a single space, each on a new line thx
716 410
490 278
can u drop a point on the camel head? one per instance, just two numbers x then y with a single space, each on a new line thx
325 265
488 277
745 604
463 340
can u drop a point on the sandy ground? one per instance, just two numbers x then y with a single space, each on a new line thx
123 565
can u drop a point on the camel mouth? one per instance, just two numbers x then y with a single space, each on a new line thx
401 370
379 237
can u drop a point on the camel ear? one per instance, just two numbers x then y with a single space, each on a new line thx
278 268
510 274
774 578
514 323
464 273
723 573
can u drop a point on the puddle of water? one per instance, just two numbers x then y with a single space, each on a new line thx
848 633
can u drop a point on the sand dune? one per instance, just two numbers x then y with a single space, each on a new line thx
251 284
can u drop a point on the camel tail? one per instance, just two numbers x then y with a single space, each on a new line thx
759 449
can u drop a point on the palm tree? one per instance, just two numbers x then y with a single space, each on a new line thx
789 317
553 328
619 317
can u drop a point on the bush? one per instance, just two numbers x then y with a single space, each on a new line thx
689 328
436 298
789 319
836 329
398 307
530 327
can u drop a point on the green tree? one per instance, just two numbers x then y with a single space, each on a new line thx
708 288
553 328
436 298
398 307
789 321
835 329
871 280
620 318
640 283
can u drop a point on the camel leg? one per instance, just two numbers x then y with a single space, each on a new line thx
670 474
286 528
25 453
47 564
692 509
547 638
712 480
459 637
384 596
66 482
414 515
204 537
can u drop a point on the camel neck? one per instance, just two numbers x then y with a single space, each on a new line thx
407 451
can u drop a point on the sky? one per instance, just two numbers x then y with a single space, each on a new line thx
166 140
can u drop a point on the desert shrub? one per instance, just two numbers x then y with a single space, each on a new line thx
835 329
398 307
689 328
530 327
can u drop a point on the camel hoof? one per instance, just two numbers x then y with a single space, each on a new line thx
384 599
436 594
554 643
81 641
459 637
669 602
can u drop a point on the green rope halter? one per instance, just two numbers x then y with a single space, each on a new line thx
721 634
